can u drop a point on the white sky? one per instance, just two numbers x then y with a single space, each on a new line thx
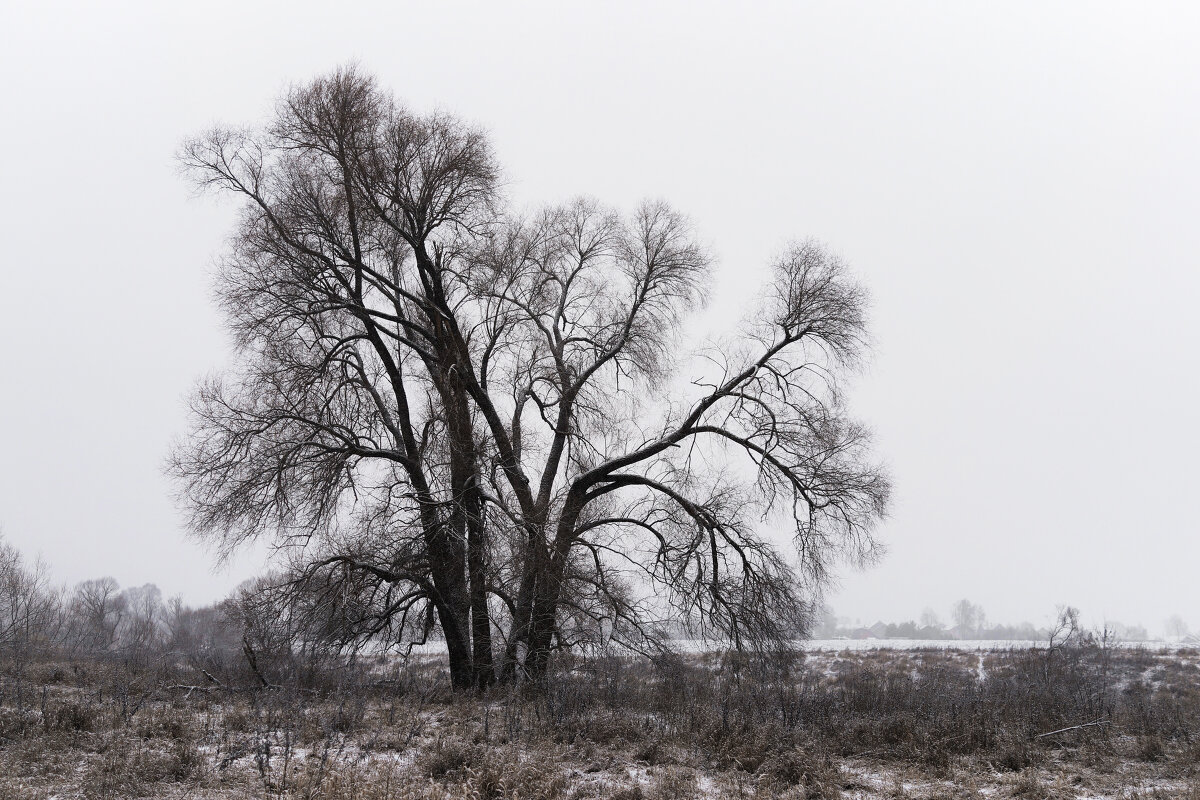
1017 183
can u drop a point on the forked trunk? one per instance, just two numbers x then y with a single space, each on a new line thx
542 609
467 522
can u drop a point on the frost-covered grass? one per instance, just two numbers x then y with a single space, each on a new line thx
924 724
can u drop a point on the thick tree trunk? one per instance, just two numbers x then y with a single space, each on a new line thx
549 594
481 622
520 642
463 452
465 523
447 558
542 635
545 614
447 561
458 648
548 571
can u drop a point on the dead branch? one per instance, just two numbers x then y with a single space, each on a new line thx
1075 728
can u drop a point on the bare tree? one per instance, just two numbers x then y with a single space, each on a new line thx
96 611
445 411
30 613
142 632
1068 631
1176 628
968 618
209 639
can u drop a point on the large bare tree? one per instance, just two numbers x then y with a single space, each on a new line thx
452 415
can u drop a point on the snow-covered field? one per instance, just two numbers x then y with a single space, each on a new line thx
963 644
837 645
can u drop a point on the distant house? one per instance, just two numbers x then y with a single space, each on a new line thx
862 633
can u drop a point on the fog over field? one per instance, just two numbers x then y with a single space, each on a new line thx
1015 184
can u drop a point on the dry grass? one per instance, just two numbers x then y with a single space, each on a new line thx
883 724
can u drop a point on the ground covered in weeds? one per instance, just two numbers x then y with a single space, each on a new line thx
873 724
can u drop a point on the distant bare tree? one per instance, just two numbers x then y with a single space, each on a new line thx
30 614
1068 630
1176 627
280 635
142 632
824 624
96 612
450 412
208 639
968 618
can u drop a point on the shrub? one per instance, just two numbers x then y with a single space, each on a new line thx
449 757
674 783
813 771
72 716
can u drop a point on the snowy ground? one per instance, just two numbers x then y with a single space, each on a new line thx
968 645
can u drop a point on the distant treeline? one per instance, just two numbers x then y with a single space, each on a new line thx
247 638
266 636
967 621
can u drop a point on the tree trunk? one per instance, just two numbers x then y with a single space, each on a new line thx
545 614
522 624
481 622
458 649
447 558
542 635
550 570
466 523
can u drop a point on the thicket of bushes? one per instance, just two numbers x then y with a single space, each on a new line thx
241 641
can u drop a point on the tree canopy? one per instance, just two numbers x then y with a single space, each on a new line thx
453 415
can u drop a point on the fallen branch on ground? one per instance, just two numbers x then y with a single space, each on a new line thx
1075 727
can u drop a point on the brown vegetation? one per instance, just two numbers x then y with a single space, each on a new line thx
896 724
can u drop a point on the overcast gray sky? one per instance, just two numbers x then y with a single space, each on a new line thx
1017 183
